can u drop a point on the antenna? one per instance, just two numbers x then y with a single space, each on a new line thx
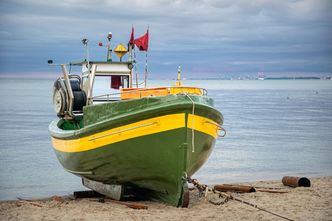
85 43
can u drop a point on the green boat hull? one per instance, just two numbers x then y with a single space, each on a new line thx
150 143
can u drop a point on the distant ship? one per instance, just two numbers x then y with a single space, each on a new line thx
261 76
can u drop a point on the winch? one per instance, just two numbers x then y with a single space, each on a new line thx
68 98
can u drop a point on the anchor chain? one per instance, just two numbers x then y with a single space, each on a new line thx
204 189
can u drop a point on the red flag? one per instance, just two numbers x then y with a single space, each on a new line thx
143 42
131 41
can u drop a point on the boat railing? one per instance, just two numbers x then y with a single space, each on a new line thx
131 93
106 97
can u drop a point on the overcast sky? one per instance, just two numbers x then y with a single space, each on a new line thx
210 37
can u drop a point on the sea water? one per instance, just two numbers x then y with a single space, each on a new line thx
274 128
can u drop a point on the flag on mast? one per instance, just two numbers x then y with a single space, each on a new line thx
142 42
131 40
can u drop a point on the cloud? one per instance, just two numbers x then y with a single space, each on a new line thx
181 31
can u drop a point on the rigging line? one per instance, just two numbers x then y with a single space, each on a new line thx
141 83
193 124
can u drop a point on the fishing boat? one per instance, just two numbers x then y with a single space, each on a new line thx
151 139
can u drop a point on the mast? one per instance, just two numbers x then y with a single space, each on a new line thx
146 69
136 74
178 80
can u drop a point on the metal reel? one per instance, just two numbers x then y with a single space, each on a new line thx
59 102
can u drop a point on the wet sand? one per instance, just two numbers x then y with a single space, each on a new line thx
301 203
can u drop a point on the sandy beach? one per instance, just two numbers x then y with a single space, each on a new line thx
301 203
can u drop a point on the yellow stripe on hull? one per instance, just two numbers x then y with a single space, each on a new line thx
203 125
134 130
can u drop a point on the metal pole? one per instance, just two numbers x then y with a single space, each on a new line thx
146 69
69 90
109 49
136 74
87 55
85 43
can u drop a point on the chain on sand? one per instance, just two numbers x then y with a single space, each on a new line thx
204 189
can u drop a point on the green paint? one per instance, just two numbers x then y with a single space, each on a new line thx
155 162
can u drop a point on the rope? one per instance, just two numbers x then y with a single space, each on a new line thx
193 124
255 206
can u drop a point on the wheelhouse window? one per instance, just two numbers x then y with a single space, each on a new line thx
107 88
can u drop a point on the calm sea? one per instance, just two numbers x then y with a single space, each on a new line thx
274 128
